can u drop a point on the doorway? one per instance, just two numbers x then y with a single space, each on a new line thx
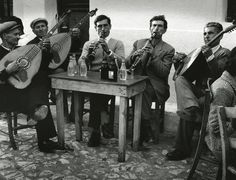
79 10
6 8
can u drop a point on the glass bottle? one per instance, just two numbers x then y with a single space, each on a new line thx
71 68
76 69
83 68
123 71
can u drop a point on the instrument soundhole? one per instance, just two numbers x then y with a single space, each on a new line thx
23 62
56 47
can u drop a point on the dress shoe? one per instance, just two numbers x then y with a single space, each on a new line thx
176 155
54 145
107 132
45 147
94 139
40 113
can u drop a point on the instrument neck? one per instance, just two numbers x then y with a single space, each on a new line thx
210 43
54 28
79 24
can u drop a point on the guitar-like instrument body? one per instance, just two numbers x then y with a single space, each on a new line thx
195 65
29 64
28 58
61 43
60 47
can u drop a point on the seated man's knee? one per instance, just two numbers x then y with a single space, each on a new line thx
180 80
40 112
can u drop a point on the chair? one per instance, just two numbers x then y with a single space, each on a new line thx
227 143
85 99
201 141
158 126
13 127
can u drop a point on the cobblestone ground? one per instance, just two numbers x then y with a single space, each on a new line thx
89 163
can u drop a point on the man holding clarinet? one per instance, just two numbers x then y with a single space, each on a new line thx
153 58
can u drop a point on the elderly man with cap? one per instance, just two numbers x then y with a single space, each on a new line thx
32 100
39 27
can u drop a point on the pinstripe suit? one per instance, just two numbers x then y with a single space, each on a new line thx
157 68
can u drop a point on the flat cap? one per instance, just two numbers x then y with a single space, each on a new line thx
16 20
34 22
6 26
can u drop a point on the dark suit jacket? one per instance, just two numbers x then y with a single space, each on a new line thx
158 67
218 64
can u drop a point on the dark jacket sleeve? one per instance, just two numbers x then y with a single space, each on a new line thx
4 75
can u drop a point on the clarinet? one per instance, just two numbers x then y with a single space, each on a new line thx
93 50
138 59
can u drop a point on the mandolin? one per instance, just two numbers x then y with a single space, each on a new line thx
195 60
61 42
28 58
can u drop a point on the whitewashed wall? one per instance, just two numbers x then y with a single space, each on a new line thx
130 20
29 10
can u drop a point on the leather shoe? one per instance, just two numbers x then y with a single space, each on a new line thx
94 139
54 145
176 155
45 147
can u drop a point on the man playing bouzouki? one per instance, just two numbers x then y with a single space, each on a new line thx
39 27
32 100
189 95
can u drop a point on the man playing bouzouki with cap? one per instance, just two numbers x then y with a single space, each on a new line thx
32 100
39 27
190 96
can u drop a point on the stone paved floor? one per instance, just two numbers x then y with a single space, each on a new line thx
89 163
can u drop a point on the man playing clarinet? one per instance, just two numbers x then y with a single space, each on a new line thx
153 58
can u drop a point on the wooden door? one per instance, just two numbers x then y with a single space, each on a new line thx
79 9
5 8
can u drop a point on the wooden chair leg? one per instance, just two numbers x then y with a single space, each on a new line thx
10 131
162 117
201 139
15 122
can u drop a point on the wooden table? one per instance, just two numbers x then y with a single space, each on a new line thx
93 84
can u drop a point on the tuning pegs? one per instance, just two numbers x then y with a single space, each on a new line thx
93 12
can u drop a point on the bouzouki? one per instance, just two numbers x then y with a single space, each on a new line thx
61 42
28 58
195 60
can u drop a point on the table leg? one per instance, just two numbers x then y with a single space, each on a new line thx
122 128
60 117
78 106
137 120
